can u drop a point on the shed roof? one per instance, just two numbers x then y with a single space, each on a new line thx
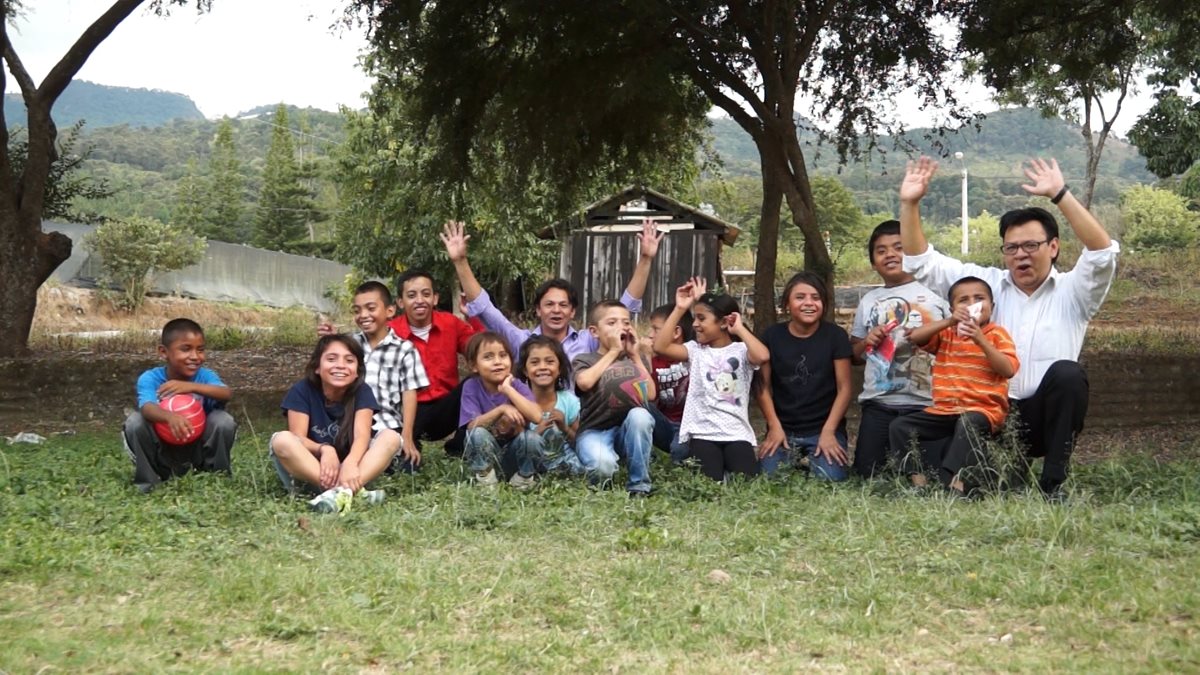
610 211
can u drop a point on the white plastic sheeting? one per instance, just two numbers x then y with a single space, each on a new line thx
229 272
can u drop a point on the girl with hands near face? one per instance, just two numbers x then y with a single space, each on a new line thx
495 410
722 359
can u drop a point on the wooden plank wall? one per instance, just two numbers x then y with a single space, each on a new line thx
600 264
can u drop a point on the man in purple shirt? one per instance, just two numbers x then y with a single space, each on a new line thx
555 300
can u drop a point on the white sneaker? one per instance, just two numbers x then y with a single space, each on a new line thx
486 478
519 482
371 497
334 500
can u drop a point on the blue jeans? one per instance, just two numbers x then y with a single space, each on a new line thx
483 451
666 436
804 446
544 453
600 450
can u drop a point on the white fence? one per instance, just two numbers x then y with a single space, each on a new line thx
229 272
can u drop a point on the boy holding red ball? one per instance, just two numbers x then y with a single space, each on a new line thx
162 443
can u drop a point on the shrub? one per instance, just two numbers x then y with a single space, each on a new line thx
983 240
1157 219
134 251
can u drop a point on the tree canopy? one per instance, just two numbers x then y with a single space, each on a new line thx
393 201
563 90
1055 55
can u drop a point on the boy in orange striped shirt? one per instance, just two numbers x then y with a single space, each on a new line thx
974 361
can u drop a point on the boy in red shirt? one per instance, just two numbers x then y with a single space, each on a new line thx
672 379
439 338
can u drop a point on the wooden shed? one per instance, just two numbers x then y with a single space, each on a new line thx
600 246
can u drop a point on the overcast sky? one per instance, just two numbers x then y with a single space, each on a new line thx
242 54
247 53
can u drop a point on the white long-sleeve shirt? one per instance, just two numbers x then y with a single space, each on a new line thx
1048 325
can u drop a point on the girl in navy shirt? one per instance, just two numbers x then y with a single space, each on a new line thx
328 441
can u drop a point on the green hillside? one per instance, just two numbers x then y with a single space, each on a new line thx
102 106
145 167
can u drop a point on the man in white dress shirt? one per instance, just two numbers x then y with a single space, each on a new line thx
1045 311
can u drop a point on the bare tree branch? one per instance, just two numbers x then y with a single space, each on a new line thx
28 88
66 68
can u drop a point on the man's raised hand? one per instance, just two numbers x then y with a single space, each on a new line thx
1046 177
455 240
649 238
916 179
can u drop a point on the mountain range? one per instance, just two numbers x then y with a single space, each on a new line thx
103 106
145 142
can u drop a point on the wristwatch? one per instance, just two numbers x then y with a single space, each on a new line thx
546 416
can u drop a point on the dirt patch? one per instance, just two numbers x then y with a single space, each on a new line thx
1144 311
66 309
57 392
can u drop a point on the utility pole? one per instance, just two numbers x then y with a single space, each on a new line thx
963 164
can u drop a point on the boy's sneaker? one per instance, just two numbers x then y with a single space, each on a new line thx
519 482
371 497
334 500
486 478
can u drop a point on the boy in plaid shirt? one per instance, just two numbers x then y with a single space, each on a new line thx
393 368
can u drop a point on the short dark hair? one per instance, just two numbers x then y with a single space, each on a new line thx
562 285
1028 215
805 277
721 304
177 328
487 337
884 228
594 312
969 280
547 342
1032 213
685 321
375 287
408 275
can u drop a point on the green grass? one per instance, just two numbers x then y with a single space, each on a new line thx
217 574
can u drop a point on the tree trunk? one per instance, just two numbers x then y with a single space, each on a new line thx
768 246
798 193
1093 155
1095 148
27 257
785 176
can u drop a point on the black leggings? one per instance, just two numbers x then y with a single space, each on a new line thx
718 458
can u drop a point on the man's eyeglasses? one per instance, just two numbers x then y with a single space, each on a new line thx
1027 246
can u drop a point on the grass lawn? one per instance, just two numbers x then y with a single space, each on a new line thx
218 574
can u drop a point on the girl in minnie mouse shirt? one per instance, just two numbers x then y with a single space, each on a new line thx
716 421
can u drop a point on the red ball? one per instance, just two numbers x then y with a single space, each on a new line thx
191 409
